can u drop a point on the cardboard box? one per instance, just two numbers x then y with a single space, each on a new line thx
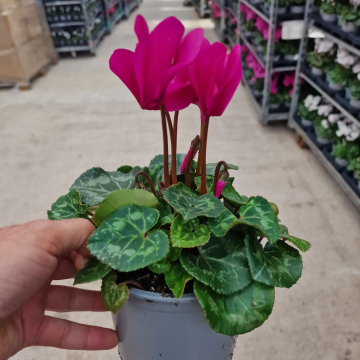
23 62
6 5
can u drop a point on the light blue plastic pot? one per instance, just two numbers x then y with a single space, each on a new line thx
150 327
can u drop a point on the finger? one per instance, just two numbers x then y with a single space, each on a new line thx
64 270
69 335
64 298
79 260
60 237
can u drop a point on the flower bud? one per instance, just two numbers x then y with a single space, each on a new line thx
224 175
162 188
139 185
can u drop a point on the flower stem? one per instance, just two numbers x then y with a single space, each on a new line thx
173 150
203 156
146 176
165 146
199 156
194 145
217 171
176 118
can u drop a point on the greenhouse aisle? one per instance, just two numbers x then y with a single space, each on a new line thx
80 115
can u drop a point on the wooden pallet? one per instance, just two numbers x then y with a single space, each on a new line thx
27 84
300 141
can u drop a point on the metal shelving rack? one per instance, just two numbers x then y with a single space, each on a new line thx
202 7
111 21
231 11
308 28
220 28
129 6
265 115
87 22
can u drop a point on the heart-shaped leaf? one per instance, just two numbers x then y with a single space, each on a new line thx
176 279
160 267
230 194
258 213
188 233
209 183
92 271
221 264
119 198
155 173
277 265
210 168
168 219
238 313
96 184
174 253
113 295
159 160
301 244
190 204
125 169
122 241
223 223
67 207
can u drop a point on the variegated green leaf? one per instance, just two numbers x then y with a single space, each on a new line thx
159 160
301 244
176 279
188 233
223 223
119 198
258 213
210 168
122 240
113 295
277 265
221 264
160 267
209 183
67 207
174 253
125 169
96 184
238 313
230 194
155 173
92 271
168 219
190 204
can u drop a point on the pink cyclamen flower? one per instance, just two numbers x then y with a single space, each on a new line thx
215 76
183 166
216 10
249 14
244 48
259 71
111 10
289 80
261 24
158 58
277 35
274 84
219 187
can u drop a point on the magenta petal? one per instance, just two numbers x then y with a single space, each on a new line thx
183 165
179 96
122 64
219 187
141 28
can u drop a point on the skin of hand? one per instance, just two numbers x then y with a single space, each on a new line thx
31 256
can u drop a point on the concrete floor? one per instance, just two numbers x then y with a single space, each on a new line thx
80 115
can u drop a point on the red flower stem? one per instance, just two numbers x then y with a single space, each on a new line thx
217 171
173 150
203 156
146 176
165 146
194 145
134 283
199 156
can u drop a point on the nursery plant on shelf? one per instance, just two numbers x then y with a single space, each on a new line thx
178 226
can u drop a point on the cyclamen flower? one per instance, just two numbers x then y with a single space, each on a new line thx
325 110
324 124
333 118
356 68
215 76
289 80
259 72
323 45
343 129
345 58
183 165
219 187
158 58
249 14
274 84
312 102
216 10
277 35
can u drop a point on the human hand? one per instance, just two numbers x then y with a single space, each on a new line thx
31 256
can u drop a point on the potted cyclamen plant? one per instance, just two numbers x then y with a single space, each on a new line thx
282 6
355 93
183 264
308 110
349 17
297 6
322 58
338 77
328 11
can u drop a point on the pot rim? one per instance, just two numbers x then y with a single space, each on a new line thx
147 295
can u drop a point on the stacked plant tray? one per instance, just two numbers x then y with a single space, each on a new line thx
338 99
76 25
